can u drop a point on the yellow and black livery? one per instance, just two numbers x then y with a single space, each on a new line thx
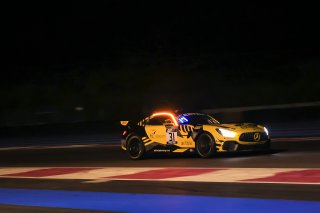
188 132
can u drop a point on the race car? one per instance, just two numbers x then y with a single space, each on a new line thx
190 132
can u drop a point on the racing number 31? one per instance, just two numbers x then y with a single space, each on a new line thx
171 137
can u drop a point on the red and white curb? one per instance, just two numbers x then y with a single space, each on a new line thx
100 174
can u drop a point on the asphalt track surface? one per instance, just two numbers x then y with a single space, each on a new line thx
285 153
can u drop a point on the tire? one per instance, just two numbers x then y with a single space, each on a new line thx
135 148
205 145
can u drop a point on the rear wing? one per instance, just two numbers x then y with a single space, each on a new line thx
124 123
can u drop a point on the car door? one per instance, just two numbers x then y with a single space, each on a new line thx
185 139
161 129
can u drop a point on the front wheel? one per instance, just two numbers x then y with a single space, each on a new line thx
205 145
135 148
267 145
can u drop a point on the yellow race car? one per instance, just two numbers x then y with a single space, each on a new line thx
189 132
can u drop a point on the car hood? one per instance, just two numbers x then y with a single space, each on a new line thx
241 127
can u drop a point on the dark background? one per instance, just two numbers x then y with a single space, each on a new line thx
122 59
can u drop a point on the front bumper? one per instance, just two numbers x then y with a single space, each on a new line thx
233 146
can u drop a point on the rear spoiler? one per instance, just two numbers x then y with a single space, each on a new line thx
124 123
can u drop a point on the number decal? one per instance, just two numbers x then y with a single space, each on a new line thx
171 136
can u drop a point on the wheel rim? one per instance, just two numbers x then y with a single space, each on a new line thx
204 144
134 148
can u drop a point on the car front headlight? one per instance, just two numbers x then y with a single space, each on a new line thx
266 130
226 133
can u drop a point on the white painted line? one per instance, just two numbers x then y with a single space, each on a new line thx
59 147
295 139
252 108
97 181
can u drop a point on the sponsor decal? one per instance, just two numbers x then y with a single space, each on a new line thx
161 150
186 143
153 134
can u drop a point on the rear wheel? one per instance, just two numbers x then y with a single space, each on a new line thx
135 148
205 145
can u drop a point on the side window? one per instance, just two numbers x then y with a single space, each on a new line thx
154 121
159 120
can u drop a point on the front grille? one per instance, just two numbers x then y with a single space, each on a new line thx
253 136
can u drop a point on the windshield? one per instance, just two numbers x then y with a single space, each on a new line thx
196 118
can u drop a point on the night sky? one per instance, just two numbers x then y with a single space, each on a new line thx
72 33
58 56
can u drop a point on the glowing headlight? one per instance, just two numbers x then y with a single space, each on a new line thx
227 133
266 130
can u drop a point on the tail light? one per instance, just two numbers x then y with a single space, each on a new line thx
124 133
